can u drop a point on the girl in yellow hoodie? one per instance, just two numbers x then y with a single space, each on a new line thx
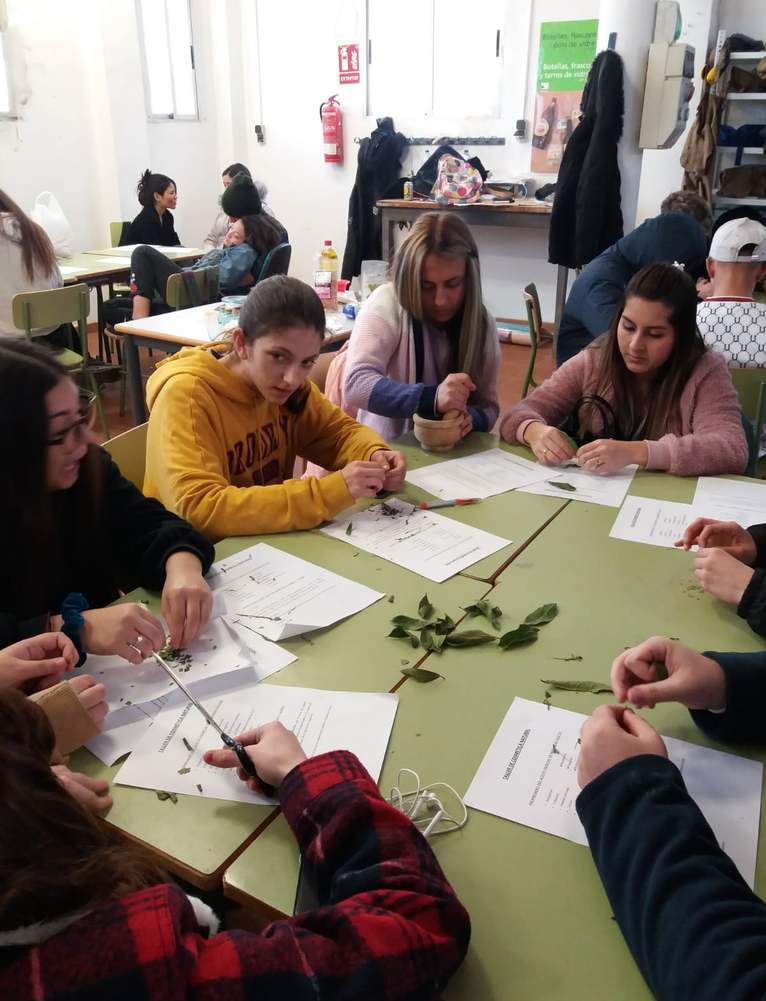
227 422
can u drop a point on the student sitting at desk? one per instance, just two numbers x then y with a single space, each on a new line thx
74 532
695 928
227 423
220 227
154 223
731 564
27 264
85 915
647 393
424 343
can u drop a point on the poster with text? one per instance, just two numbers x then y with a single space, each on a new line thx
567 49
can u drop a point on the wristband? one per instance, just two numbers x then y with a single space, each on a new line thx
72 608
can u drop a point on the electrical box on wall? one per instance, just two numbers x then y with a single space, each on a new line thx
669 80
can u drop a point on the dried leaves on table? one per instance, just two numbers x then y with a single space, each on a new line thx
420 674
522 634
543 615
594 687
562 485
487 609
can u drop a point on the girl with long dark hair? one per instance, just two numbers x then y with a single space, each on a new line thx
648 392
74 532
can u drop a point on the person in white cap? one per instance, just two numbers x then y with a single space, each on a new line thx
730 320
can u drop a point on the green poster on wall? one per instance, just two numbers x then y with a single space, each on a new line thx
567 49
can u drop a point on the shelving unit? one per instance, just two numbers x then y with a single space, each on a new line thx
749 153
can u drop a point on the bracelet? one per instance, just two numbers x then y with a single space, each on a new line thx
72 608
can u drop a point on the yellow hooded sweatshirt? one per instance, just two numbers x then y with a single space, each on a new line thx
221 456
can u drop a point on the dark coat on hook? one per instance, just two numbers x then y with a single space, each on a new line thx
378 166
587 212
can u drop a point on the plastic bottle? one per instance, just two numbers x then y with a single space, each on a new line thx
326 276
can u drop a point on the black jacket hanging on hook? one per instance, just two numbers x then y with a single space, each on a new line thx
378 165
587 210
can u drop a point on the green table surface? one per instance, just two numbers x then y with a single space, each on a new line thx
90 264
511 515
542 926
196 838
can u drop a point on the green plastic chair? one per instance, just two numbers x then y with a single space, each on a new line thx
536 335
51 308
192 288
750 384
116 230
129 452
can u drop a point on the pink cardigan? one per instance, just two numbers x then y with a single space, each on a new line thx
704 436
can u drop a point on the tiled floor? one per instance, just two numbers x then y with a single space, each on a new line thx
513 366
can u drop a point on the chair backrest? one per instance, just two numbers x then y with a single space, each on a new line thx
750 384
129 452
182 289
535 322
116 230
276 262
51 308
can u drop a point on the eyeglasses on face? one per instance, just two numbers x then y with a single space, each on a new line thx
79 427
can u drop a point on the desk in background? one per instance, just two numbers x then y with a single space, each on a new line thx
523 214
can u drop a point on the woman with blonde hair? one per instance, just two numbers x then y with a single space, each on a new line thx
424 342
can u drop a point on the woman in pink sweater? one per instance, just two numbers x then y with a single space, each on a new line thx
647 392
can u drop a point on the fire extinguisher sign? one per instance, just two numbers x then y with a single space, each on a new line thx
348 63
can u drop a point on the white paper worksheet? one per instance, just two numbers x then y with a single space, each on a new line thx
588 487
743 501
654 522
323 721
279 595
529 775
217 651
482 475
422 541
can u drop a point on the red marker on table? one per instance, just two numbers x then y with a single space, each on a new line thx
425 506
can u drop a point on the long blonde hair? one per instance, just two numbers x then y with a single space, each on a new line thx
445 234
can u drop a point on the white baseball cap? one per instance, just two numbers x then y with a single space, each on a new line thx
729 240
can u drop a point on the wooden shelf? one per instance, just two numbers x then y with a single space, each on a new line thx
761 96
725 200
747 56
746 150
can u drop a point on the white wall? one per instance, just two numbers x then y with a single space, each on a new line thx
746 17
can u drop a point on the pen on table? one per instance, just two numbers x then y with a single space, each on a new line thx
458 502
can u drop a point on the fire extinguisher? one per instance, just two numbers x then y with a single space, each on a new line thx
332 130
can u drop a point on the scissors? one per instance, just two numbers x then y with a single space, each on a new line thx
234 745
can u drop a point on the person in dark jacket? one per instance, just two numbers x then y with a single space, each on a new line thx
378 166
587 209
157 194
694 927
731 565
85 915
75 533
600 287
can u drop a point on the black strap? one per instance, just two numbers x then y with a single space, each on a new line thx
417 336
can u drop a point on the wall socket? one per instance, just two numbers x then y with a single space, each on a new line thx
259 134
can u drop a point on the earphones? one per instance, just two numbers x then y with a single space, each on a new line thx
424 806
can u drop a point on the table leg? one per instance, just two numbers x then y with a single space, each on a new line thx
387 232
562 279
135 383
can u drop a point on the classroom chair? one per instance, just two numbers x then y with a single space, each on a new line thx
117 231
750 384
192 288
537 334
52 307
277 262
129 452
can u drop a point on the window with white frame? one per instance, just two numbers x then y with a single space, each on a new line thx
5 88
168 53
435 58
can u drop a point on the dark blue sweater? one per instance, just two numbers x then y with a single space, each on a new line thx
694 927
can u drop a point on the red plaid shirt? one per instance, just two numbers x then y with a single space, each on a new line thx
391 928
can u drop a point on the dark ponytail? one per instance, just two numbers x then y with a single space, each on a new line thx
150 185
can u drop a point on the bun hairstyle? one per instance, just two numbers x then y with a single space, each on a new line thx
150 185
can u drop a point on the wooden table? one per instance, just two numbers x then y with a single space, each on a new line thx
542 926
524 213
197 839
169 332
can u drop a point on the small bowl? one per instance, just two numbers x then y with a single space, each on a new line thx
234 300
438 436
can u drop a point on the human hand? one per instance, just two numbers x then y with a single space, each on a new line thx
91 696
611 735
722 575
394 465
364 479
128 630
93 794
39 661
453 392
466 424
704 288
604 456
707 533
550 446
695 681
273 749
186 598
